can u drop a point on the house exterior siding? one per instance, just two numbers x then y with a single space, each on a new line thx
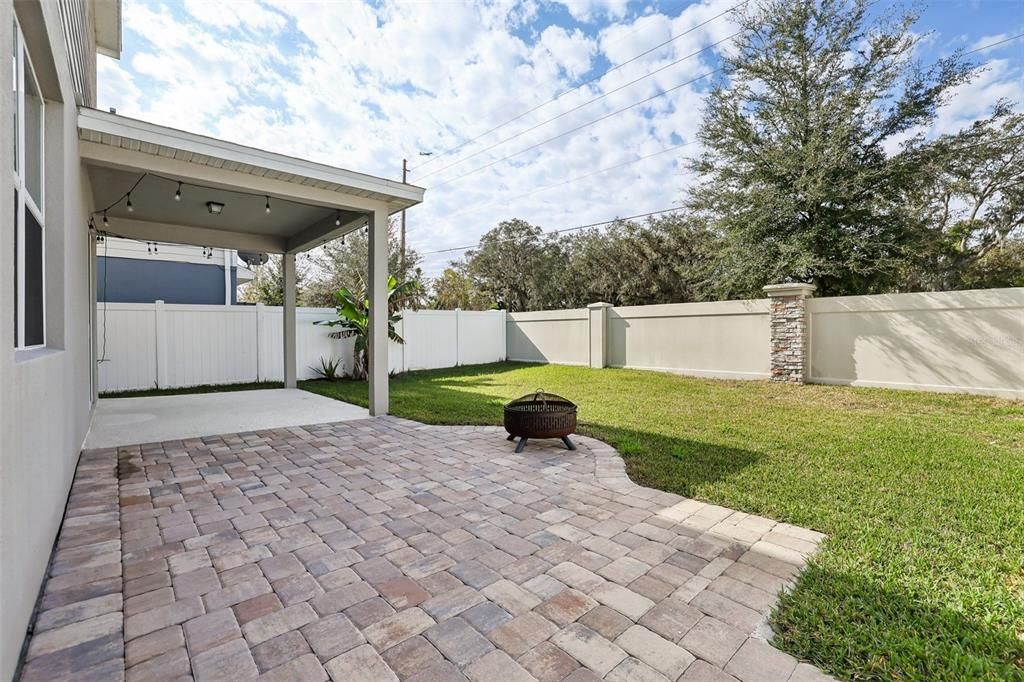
130 280
46 394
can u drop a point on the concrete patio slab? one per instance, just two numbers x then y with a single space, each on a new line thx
383 549
126 421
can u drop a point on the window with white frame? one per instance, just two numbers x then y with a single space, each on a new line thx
29 241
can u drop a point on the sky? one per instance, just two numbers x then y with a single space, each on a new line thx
362 85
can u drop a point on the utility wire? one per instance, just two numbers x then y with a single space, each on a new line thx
561 231
667 210
578 86
576 129
578 107
991 45
504 158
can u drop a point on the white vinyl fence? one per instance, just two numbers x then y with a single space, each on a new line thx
158 345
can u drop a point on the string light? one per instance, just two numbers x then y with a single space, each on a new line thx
106 223
267 207
177 193
337 219
130 207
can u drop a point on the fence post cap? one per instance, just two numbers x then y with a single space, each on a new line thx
800 289
600 304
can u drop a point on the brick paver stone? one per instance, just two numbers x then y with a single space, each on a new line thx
655 651
626 602
331 636
522 633
458 641
210 630
277 623
566 607
362 663
229 661
396 629
589 648
411 656
548 663
497 666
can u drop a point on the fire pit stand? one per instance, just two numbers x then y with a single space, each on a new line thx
540 415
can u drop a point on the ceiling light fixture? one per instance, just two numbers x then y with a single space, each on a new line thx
214 207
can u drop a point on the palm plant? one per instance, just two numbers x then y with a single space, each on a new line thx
353 311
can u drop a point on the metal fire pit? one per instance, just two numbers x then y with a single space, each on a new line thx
540 415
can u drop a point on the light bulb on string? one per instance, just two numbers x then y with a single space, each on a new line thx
106 223
131 208
177 193
267 207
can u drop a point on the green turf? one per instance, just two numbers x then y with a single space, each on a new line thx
921 494
206 388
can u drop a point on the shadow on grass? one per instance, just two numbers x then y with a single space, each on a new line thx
888 635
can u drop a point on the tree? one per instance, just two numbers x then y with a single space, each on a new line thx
668 259
339 264
972 201
512 264
267 285
353 311
454 289
798 170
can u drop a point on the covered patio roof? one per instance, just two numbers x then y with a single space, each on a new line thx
307 199
154 183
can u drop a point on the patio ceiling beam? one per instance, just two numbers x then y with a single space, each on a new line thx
324 230
147 230
98 154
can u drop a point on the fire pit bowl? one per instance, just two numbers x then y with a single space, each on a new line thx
540 415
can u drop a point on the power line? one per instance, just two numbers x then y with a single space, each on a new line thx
578 107
576 129
599 171
991 45
665 92
580 85
561 231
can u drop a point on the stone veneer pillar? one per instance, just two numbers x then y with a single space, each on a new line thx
788 329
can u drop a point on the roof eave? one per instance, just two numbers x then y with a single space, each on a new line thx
93 123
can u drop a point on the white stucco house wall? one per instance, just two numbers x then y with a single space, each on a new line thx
71 167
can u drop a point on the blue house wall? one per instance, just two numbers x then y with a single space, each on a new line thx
130 280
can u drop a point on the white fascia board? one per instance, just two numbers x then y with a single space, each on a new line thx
124 127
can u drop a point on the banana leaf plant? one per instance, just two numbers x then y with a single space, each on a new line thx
353 310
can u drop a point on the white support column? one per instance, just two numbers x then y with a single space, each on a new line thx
228 259
288 320
378 291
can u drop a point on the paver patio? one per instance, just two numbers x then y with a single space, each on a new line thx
384 549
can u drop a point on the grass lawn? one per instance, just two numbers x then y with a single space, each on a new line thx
922 495
206 388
